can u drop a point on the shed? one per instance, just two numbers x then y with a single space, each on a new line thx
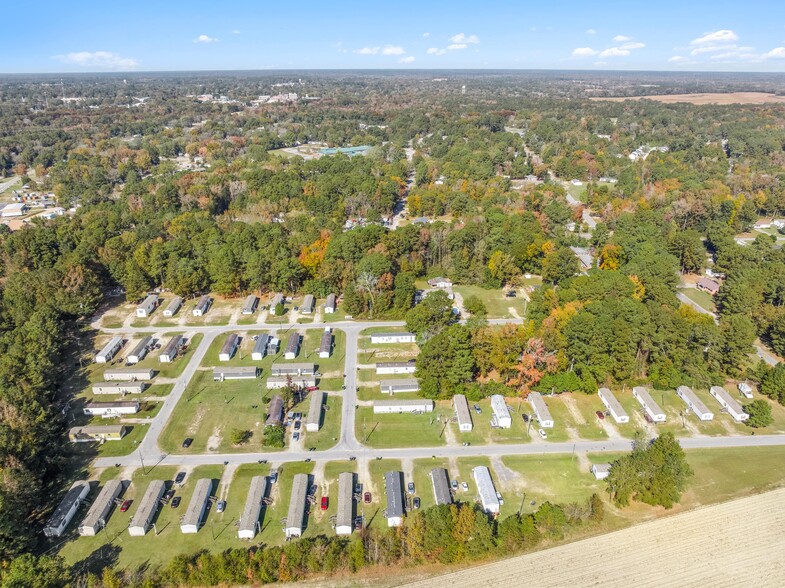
292 346
192 519
745 389
307 305
278 382
148 507
273 345
249 520
346 506
171 349
99 511
250 304
440 480
415 406
402 385
202 305
129 374
694 403
67 508
235 373
295 519
326 346
277 299
260 347
147 306
486 489
396 367
173 306
601 470
98 433
462 413
293 369
112 409
274 411
393 488
229 347
617 411
650 407
140 350
314 421
501 414
329 305
109 350
541 410
729 404
393 338
119 387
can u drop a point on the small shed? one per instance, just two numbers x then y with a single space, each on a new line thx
229 347
67 508
147 306
295 519
250 304
174 305
398 386
541 410
274 412
344 518
329 305
601 470
292 346
172 348
109 350
314 421
249 521
486 489
148 507
501 414
326 346
614 407
462 413
307 305
192 519
202 305
393 488
694 403
440 480
745 389
101 508
139 351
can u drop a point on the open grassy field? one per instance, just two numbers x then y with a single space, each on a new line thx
701 298
707 98
482 433
498 305
399 430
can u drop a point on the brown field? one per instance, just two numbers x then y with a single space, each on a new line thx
731 544
709 98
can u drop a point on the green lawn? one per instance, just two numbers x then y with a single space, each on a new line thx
482 433
175 368
701 298
337 316
399 430
330 432
563 417
496 302
124 446
422 479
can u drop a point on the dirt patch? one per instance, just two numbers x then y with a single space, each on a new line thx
575 412
513 312
214 442
709 98
506 478
226 480
194 426
610 429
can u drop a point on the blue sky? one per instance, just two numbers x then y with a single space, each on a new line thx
165 35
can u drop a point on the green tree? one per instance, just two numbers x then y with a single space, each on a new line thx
27 571
559 265
760 414
431 315
474 305
446 362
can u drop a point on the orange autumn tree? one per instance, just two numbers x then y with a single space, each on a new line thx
311 256
535 362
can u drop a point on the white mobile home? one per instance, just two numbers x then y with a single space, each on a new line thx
151 501
173 306
112 409
109 350
314 421
172 348
345 514
380 338
192 520
307 305
147 306
462 413
98 433
229 347
260 347
249 521
139 351
119 387
694 403
295 519
250 304
501 414
99 511
278 382
601 470
745 390
440 282
235 373
651 408
66 510
396 367
541 410
277 299
329 305
609 400
292 346
401 406
486 489
326 345
397 386
733 408
293 369
202 305
129 374
393 488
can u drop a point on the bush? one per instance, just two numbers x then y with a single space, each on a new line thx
760 414
274 436
240 436
474 305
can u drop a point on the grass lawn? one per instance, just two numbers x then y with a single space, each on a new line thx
422 479
482 433
398 430
587 427
124 446
374 512
495 301
175 368
701 298
371 354
337 316
330 432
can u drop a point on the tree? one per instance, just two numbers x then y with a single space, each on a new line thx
760 414
446 362
431 315
474 305
772 383
688 248
274 436
42 572
239 436
559 265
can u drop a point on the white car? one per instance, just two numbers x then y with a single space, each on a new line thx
542 433
499 498
465 487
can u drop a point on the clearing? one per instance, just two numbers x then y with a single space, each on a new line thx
708 98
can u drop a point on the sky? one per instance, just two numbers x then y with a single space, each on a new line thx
169 35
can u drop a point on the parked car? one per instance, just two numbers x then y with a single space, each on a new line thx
358 524
600 415
542 433
312 388
296 436
187 442
325 502
296 425
464 486
176 501
178 479
416 502
499 498
125 505
525 418
367 498
221 506
477 409
169 495
273 476
352 458
308 460
454 484
410 487
358 488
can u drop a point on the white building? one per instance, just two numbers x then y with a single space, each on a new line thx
147 306
260 347
293 369
151 501
229 347
67 508
417 405
380 338
486 489
399 386
295 520
440 482
14 209
609 400
292 346
729 404
440 282
329 305
694 403
112 409
462 413
393 488
745 389
344 518
249 521
396 367
116 388
202 305
541 410
109 350
235 373
140 350
651 408
250 304
277 299
326 345
314 421
307 305
129 374
173 306
601 470
99 511
501 414
172 348
192 519
278 382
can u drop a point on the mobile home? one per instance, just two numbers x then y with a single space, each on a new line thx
147 306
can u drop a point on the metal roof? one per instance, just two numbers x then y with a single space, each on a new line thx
462 409
119 385
277 299
315 410
260 346
613 405
253 504
400 384
404 402
327 342
730 403
96 516
392 335
440 480
296 515
152 299
112 404
307 303
647 400
408 363
232 372
250 303
149 504
499 406
63 510
129 374
174 305
482 476
97 430
173 345
686 393
293 344
141 347
330 302
203 303
275 411
345 513
285 369
393 487
110 348
195 511
537 402
230 344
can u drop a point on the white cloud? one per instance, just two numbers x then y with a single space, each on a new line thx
591 32
776 53
584 52
462 38
392 50
615 52
723 36
235 32
368 50
103 60
677 59
633 45
621 38
408 59
711 49
456 46
205 39
436 51
426 35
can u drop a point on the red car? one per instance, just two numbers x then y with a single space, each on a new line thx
367 498
600 415
125 505
312 388
325 502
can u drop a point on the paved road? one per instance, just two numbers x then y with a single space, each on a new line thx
8 183
689 302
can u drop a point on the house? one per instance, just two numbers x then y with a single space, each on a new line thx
708 285
732 407
151 501
147 306
541 410
109 350
462 413
202 305
119 387
501 414
293 369
396 367
295 519
173 306
229 347
440 481
440 282
329 305
609 400
131 374
139 351
191 521
584 256
260 347
393 488
14 209
308 303
235 373
326 346
250 304
601 470
277 299
486 489
249 523
98 433
415 406
588 220
745 389
171 349
396 386
344 518
292 346
572 201
314 421
67 508
694 403
112 409
278 382
651 408
101 508
274 412
393 338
